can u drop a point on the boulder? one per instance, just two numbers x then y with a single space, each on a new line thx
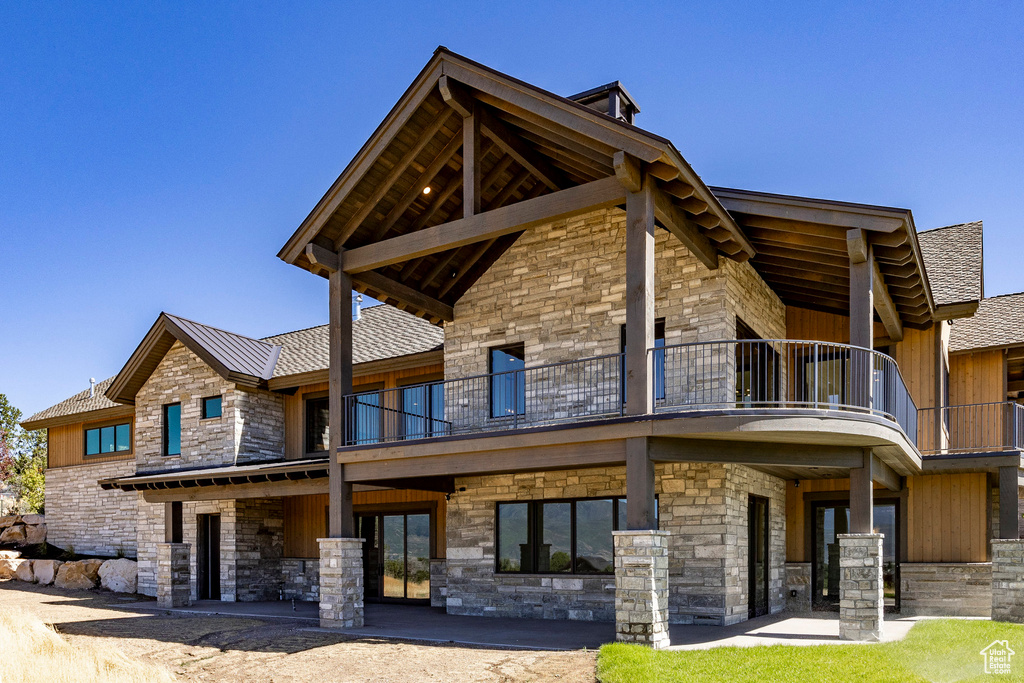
45 571
35 534
10 554
8 520
78 575
13 534
24 572
33 519
119 576
8 567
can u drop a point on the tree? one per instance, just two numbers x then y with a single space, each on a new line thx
22 458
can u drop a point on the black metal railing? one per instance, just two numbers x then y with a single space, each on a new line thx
971 428
721 375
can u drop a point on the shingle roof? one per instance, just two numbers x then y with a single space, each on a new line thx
999 321
381 332
79 403
953 260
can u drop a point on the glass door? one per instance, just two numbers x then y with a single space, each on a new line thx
757 557
832 519
396 556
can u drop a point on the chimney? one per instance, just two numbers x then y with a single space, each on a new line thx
359 307
92 387
612 99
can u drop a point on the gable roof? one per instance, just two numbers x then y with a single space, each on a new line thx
234 357
381 332
953 257
81 404
998 323
533 145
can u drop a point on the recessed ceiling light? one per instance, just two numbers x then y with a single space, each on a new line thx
426 190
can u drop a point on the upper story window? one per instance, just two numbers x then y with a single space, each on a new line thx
108 439
508 390
211 407
658 360
423 410
318 434
172 429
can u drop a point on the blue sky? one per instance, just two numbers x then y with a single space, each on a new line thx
155 157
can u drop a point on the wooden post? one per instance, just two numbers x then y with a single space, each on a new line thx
340 517
640 510
1009 515
862 316
639 298
471 163
862 497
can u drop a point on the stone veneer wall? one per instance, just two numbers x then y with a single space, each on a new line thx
798 580
560 289
300 578
945 589
81 515
259 539
704 507
149 534
250 428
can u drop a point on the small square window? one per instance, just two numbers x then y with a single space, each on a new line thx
211 407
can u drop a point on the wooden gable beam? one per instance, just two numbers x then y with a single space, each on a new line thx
885 307
501 221
688 232
405 294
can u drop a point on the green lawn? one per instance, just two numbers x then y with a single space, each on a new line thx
934 650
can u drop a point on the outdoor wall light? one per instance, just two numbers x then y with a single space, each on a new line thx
426 190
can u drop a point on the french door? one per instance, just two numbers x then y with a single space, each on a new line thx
396 556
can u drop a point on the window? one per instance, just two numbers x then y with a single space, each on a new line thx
558 537
318 435
172 429
368 418
508 389
211 407
659 359
423 410
108 439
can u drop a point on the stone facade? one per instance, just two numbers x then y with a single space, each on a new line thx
172 575
641 587
798 586
704 507
149 534
82 516
861 588
301 579
945 589
250 428
341 582
438 582
1008 580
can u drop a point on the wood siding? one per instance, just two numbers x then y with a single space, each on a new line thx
978 377
294 417
305 517
65 446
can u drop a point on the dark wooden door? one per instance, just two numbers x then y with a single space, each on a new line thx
757 554
208 557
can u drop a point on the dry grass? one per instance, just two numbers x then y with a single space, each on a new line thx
33 651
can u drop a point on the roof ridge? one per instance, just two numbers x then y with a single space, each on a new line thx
367 309
218 329
955 225
1002 296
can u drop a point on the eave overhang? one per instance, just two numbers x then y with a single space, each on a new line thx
293 470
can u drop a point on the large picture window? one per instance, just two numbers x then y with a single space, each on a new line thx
423 411
558 536
108 439
508 389
172 429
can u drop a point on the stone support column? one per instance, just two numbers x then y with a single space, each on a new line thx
641 587
173 576
861 602
1008 580
341 582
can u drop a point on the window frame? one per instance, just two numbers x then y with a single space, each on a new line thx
533 529
518 378
426 383
97 426
166 431
202 407
659 373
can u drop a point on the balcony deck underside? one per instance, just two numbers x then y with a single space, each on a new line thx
797 443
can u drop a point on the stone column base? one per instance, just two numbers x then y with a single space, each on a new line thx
173 575
341 582
861 603
1008 580
641 587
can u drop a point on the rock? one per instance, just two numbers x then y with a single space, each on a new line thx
45 570
33 519
14 534
78 575
119 576
7 521
24 572
35 534
10 554
8 567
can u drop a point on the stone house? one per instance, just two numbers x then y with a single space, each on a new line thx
598 389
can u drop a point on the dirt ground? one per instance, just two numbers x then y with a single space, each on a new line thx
202 648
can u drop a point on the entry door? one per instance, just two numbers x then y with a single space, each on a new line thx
757 557
396 556
208 557
832 519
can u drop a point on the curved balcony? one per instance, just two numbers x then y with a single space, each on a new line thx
698 378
